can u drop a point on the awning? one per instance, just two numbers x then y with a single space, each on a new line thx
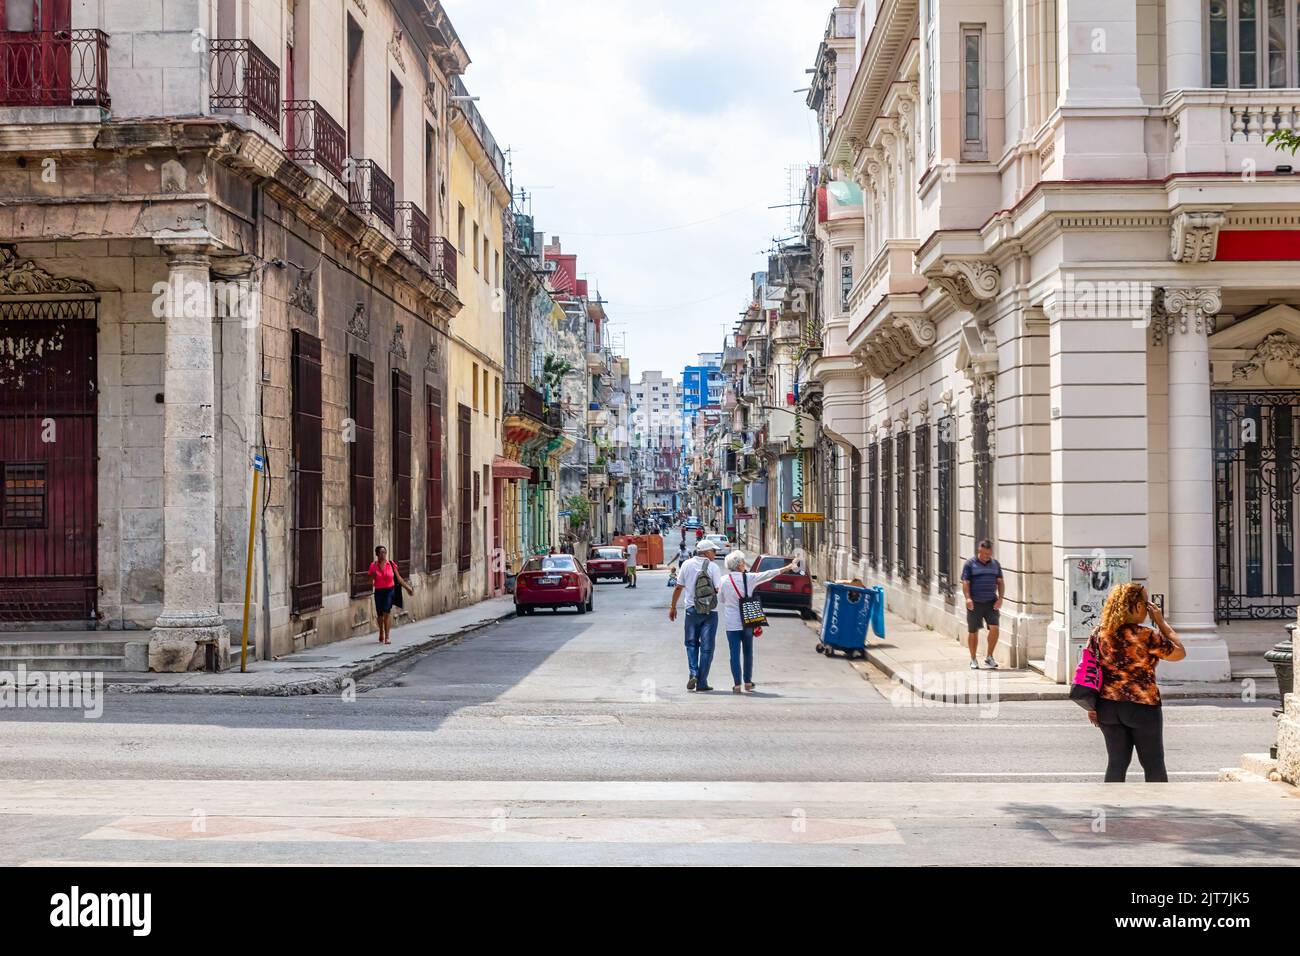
503 467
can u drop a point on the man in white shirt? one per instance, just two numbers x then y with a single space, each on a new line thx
701 623
631 564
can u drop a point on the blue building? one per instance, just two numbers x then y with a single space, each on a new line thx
702 384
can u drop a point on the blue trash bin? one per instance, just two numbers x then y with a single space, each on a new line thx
847 615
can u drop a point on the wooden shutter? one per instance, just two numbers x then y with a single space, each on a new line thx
361 473
433 480
401 419
466 516
307 472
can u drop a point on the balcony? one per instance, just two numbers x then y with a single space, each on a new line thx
370 191
58 68
1225 130
245 81
462 101
413 230
313 137
595 362
444 261
523 399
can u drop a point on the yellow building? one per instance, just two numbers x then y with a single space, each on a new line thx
478 200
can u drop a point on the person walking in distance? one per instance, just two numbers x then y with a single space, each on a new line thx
386 579
1128 707
983 585
700 579
631 564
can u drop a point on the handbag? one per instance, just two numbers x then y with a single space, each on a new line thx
1085 689
751 608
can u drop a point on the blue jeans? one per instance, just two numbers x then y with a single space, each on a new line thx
738 640
701 631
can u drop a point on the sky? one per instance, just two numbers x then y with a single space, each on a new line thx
652 138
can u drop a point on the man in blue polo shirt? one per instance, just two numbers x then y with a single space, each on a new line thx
983 585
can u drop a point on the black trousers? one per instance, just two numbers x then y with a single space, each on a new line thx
1126 726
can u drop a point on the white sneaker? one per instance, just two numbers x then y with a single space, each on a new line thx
974 664
990 663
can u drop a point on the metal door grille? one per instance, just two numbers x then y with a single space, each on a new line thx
886 501
401 423
48 461
873 489
923 504
947 481
361 467
1256 486
307 473
904 460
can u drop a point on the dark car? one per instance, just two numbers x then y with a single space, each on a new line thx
791 591
555 581
607 561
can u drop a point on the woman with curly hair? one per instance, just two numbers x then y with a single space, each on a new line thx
1128 709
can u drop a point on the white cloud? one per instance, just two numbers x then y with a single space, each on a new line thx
638 118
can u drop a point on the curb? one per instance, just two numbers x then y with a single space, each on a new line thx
316 683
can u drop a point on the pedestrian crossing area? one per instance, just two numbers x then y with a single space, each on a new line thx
214 821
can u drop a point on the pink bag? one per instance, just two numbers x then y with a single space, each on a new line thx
1086 686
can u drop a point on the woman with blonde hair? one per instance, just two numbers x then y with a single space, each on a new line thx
1128 709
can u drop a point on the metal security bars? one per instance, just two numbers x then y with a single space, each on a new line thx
433 480
873 489
886 500
903 460
855 502
465 477
922 440
361 472
307 473
400 395
983 469
947 481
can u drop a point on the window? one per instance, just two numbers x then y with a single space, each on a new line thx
923 505
24 495
496 269
474 383
431 177
846 278
356 93
460 228
487 400
487 248
972 93
983 469
1252 44
903 502
886 501
464 473
361 472
433 479
931 76
396 138
307 473
476 268
400 391
855 502
873 488
947 503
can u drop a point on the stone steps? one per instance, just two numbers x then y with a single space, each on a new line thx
72 650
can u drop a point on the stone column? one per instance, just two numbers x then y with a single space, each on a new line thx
189 619
1183 45
1189 317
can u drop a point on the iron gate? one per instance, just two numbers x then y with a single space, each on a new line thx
48 460
1256 483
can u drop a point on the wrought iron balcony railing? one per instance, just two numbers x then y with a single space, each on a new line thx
413 230
56 68
312 136
523 399
371 191
444 261
246 80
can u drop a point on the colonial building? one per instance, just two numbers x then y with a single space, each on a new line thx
1063 314
239 231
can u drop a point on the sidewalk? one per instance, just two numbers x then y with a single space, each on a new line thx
936 667
325 669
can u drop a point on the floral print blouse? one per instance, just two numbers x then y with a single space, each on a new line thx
1128 663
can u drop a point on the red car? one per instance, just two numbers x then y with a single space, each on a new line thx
555 581
607 561
789 592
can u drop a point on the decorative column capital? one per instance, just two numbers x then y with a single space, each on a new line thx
1186 309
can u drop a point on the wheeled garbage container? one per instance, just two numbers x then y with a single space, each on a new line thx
849 612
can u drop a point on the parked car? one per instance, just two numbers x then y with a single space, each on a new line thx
555 581
791 591
721 543
607 561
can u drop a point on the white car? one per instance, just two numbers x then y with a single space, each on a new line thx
721 543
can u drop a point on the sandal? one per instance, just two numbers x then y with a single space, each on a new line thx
749 686
736 689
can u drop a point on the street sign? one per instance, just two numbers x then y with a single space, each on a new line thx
790 517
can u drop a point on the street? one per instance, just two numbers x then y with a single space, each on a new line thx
560 738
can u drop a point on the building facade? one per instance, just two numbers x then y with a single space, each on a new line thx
1061 315
236 228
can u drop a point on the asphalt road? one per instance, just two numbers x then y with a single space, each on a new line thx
568 738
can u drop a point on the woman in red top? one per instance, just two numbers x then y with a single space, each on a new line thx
1128 711
386 578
